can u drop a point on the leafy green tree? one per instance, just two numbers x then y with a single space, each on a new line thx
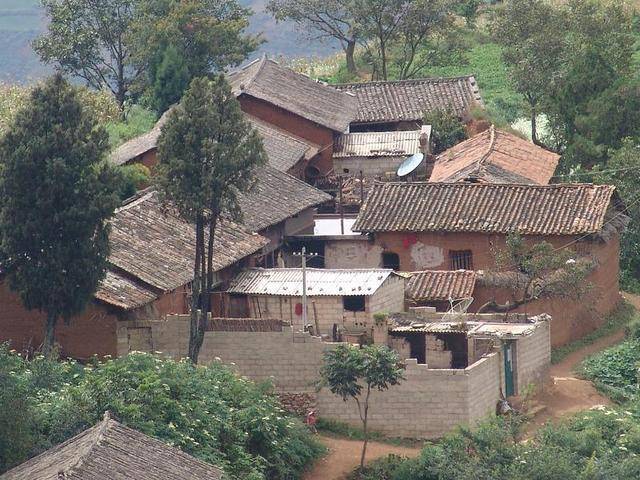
447 129
56 199
88 39
538 271
207 154
171 79
348 370
531 34
323 19
204 35
132 178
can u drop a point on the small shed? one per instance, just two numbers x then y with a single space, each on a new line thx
440 288
335 298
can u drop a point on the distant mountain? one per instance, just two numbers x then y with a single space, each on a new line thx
21 21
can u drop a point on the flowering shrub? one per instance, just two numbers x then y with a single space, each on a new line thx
208 412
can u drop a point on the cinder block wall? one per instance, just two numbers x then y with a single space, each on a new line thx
428 403
533 357
389 298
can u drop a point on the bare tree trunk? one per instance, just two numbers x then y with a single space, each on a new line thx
534 127
350 56
196 293
383 59
49 334
495 307
365 431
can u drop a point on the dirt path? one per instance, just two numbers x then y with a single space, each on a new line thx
567 394
344 457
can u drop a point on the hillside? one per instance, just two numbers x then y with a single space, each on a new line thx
22 20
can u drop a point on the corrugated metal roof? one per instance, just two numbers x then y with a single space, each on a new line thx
377 144
320 282
474 329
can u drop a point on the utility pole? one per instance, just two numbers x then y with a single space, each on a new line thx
303 254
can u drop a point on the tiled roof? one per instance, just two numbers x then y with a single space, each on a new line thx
377 144
409 100
276 197
124 293
283 149
320 282
135 147
561 209
494 156
266 80
157 247
111 451
440 285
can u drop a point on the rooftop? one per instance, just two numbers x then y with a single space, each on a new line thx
320 282
409 100
111 451
377 144
494 156
271 82
135 147
283 149
440 285
560 209
276 197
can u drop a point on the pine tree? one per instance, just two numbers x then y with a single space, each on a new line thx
207 154
56 198
171 79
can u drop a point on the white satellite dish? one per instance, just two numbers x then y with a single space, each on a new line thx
410 164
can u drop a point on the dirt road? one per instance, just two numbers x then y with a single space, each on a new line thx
344 457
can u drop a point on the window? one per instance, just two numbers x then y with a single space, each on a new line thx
461 259
354 303
391 260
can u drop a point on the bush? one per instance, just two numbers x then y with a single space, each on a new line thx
132 178
616 367
446 129
208 412
137 122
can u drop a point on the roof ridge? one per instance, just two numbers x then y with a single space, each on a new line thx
494 185
481 164
101 429
406 81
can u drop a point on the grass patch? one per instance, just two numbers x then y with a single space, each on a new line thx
139 120
333 428
619 318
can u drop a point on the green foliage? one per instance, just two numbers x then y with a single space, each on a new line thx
137 121
132 178
447 129
592 445
56 198
170 80
88 40
616 368
208 412
623 315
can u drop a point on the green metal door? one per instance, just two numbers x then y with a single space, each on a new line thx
509 387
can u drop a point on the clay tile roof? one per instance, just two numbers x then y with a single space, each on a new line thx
561 209
158 248
277 196
409 100
494 156
135 147
283 149
266 80
377 144
122 292
440 285
111 451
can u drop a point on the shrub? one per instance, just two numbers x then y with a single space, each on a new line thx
138 121
616 367
208 412
447 129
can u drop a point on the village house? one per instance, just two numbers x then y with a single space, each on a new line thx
378 153
402 104
297 104
149 276
495 156
338 300
454 226
110 450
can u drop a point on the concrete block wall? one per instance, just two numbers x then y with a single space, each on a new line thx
533 357
428 403
389 297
